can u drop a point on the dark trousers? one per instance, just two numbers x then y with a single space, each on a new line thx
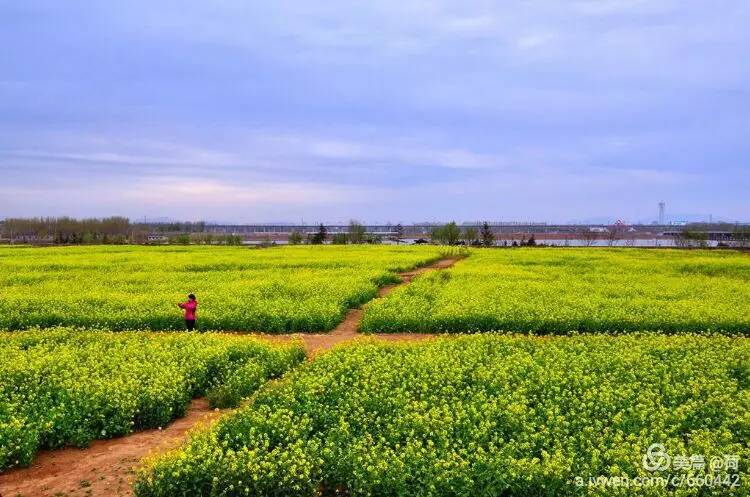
190 323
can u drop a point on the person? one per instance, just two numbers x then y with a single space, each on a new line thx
190 307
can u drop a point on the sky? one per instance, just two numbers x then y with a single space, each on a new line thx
382 111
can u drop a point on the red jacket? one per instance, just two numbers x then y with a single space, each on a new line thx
190 307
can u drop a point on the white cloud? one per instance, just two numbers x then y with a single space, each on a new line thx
168 191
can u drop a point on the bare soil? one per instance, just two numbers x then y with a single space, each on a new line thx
106 468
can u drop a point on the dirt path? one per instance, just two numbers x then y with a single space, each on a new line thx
347 329
105 468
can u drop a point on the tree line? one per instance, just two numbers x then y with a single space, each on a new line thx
67 230
120 230
452 234
355 234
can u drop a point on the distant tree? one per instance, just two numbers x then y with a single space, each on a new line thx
340 239
231 240
471 236
266 242
65 229
587 236
616 232
452 233
357 232
398 233
183 239
692 238
741 235
436 234
531 242
448 234
488 237
320 236
295 238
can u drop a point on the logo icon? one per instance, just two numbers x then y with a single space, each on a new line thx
656 458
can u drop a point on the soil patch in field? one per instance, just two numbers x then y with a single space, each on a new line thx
105 468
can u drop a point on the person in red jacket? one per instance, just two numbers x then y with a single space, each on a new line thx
190 307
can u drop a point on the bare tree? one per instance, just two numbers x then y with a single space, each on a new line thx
587 236
615 232
69 230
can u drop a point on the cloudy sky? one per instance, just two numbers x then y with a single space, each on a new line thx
395 110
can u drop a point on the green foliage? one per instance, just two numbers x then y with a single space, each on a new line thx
340 239
123 288
357 233
550 290
689 238
470 236
488 237
449 234
295 238
398 232
481 415
68 387
320 236
373 239
183 239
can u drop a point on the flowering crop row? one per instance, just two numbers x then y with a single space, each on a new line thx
125 288
510 415
561 290
67 387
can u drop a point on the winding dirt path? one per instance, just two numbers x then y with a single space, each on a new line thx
347 329
106 467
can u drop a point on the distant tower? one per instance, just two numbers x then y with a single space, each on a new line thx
662 205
